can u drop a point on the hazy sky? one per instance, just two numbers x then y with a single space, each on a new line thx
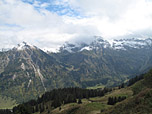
49 23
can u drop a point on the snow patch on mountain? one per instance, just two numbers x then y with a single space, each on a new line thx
99 42
24 45
23 66
29 83
85 48
14 77
132 43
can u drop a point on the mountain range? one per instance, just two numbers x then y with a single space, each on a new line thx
29 71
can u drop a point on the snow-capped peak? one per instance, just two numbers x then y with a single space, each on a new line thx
132 43
24 45
99 42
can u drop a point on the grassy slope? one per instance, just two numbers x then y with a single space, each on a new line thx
96 87
140 102
7 103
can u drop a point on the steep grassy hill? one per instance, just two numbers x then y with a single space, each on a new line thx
140 102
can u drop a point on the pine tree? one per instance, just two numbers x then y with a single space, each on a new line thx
79 101
36 108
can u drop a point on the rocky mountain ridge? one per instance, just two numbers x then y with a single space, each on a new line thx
99 42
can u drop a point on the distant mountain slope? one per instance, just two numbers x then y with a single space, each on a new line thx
103 62
26 71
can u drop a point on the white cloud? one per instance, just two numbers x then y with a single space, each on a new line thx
109 18
24 23
116 17
110 8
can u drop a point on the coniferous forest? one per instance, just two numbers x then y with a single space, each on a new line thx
58 97
114 100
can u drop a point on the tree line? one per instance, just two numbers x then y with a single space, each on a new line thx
135 79
131 81
114 100
58 97
5 111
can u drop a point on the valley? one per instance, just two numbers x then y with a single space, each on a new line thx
137 100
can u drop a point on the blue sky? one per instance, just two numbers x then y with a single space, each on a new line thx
56 6
49 23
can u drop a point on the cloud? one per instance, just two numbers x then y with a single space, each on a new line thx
116 17
22 22
50 23
38 26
